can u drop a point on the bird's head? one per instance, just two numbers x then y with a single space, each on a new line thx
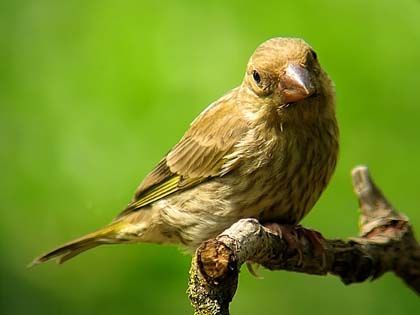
284 76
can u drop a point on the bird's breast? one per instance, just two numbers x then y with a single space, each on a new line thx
286 178
279 179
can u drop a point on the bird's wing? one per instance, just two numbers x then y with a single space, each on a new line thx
203 153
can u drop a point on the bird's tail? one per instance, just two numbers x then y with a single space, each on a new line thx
105 235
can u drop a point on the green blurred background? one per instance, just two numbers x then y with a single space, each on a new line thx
93 93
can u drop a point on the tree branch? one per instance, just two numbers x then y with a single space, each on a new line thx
386 243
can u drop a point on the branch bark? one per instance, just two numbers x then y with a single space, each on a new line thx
386 243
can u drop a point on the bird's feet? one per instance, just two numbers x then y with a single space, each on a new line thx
296 236
316 241
290 235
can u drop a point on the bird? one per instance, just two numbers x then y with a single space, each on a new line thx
265 150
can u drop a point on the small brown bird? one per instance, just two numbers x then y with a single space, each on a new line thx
265 150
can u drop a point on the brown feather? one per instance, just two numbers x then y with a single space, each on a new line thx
200 155
265 150
71 249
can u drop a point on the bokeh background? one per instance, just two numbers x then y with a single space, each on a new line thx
93 93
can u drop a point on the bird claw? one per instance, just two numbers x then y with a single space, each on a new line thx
290 235
254 271
293 234
317 241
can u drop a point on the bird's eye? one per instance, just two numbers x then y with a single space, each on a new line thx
256 76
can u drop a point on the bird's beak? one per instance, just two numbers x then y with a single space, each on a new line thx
296 84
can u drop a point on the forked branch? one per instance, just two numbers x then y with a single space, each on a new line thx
386 243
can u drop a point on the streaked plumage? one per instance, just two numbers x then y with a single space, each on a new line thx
267 150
